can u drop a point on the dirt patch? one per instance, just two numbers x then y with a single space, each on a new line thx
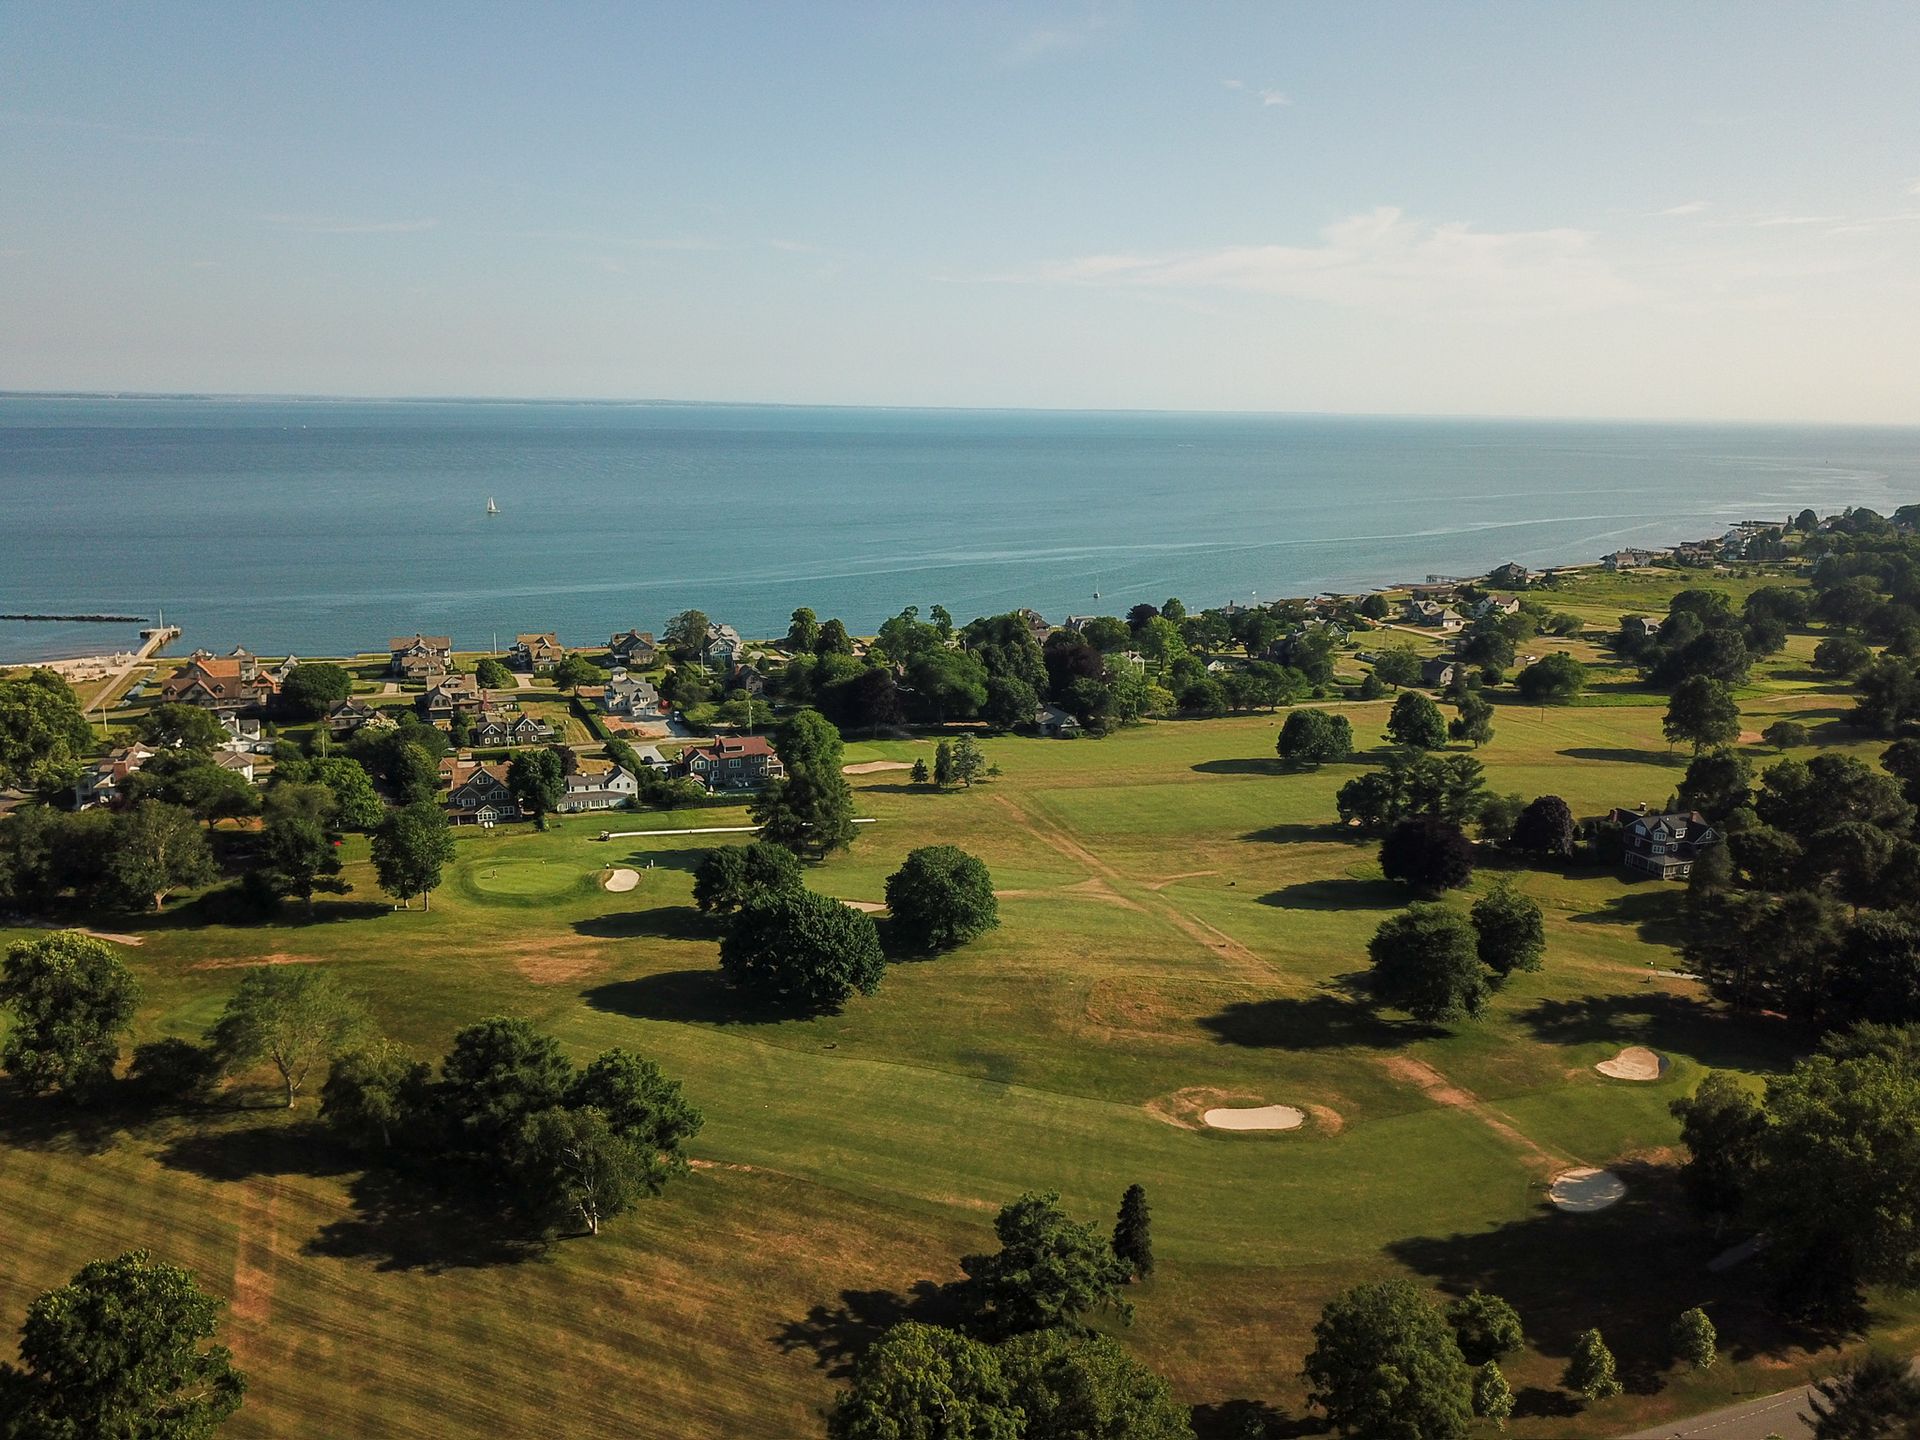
1636 1062
1327 1118
622 880
1751 737
1586 1189
866 907
251 961
1442 1091
253 1260
112 937
1256 1117
875 767
1166 880
557 963
1186 1109
1098 889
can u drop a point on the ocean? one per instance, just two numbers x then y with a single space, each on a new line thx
323 527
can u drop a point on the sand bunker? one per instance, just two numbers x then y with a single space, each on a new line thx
1636 1062
622 880
1585 1190
865 907
874 767
1265 1117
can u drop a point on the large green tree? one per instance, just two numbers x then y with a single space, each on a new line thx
1385 1366
802 951
1415 722
175 726
1050 1270
941 897
314 687
810 809
118 1353
1072 1386
410 849
1875 1398
1509 931
1426 962
1315 737
72 999
43 733
1428 853
156 849
297 860
729 875
924 1382
295 1017
1552 680
535 777
1702 713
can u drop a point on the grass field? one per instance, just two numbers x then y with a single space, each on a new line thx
1179 926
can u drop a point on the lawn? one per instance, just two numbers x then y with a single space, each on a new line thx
1180 923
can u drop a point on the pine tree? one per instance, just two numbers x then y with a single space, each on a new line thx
1132 1232
1590 1373
943 764
1695 1339
920 774
1492 1396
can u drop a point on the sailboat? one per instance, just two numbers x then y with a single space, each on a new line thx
492 509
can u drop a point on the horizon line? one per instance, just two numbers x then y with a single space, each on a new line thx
324 397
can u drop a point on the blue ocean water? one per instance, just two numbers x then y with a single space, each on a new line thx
323 527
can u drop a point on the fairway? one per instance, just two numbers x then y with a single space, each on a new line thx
1181 929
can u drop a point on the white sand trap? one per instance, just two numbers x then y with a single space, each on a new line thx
866 907
623 880
874 767
1585 1190
1265 1117
1636 1062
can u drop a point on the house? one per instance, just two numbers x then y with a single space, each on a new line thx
535 652
1643 627
1628 559
749 678
1037 625
420 657
285 668
1437 673
1434 589
1129 657
1056 724
634 649
626 694
1666 846
510 727
239 763
245 735
732 762
225 685
723 648
1434 616
351 714
452 695
1494 605
604 787
478 794
1510 576
100 783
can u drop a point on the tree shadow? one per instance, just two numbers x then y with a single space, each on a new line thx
1251 765
1621 756
240 1152
839 1334
661 922
1680 1024
688 859
694 996
1656 912
401 1223
59 1125
1251 1420
1628 1270
1328 1020
1295 833
1338 895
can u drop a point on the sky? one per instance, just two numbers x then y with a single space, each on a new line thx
1693 210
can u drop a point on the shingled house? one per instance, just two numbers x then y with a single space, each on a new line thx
536 652
420 657
225 685
478 794
1665 846
634 649
732 762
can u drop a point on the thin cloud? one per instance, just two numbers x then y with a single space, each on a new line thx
106 129
332 225
1275 97
1382 260
1774 222
1692 207
1913 187
1241 85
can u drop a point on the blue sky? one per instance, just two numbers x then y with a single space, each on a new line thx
1694 210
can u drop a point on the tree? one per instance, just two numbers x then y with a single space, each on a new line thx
1133 1232
43 732
642 1106
802 951
315 687
1050 1271
1428 853
500 1072
834 639
1840 656
941 897
1425 963
1397 665
175 726
727 877
1702 713
410 849
572 671
920 775
1509 933
570 1164
811 809
157 849
1720 1126
1492 1395
536 780
1070 1386
1315 737
1485 1327
969 763
925 1382
1786 735
1474 722
1552 680
296 860
1384 1366
1011 703
803 632
685 635
951 684
1590 1370
1415 722
72 999
1875 1398
943 764
415 776
296 1016
373 1093
355 806
117 1352
1498 817
1546 828
1694 1338
1887 695
191 780
1717 784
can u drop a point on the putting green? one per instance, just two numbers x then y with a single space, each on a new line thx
512 880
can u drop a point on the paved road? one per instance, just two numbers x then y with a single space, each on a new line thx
1754 1420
